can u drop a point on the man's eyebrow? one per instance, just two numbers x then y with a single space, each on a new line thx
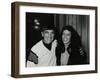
45 31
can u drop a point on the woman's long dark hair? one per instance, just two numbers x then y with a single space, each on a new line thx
75 39
73 49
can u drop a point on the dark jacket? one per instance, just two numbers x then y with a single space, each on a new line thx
77 55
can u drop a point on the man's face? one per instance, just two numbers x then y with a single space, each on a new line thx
48 36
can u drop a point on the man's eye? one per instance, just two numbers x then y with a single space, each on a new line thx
68 35
52 32
45 32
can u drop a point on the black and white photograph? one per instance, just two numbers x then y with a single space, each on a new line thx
56 39
51 39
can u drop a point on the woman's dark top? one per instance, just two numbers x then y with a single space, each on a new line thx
77 55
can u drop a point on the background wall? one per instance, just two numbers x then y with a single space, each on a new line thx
5 40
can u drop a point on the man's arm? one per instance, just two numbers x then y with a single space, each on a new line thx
33 57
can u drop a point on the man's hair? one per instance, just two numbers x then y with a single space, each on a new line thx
47 27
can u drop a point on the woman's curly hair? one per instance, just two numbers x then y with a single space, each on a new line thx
75 39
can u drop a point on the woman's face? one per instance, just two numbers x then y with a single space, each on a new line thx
66 36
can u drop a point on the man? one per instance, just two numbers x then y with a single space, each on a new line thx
43 53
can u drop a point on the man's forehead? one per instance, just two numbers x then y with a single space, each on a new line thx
49 30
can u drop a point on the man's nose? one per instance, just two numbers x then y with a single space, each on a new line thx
50 34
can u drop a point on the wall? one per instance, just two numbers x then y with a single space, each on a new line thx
5 40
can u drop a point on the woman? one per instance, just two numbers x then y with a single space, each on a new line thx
69 50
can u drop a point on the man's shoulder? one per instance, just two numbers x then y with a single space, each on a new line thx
37 44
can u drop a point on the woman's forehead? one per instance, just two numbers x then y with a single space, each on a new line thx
66 31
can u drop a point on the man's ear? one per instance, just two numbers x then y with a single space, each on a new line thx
42 34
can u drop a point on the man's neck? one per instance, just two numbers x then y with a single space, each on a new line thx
48 46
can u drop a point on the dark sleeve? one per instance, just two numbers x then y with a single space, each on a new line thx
83 56
77 57
33 57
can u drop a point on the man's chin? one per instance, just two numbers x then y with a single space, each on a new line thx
49 42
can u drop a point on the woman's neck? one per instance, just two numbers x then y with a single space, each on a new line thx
66 45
